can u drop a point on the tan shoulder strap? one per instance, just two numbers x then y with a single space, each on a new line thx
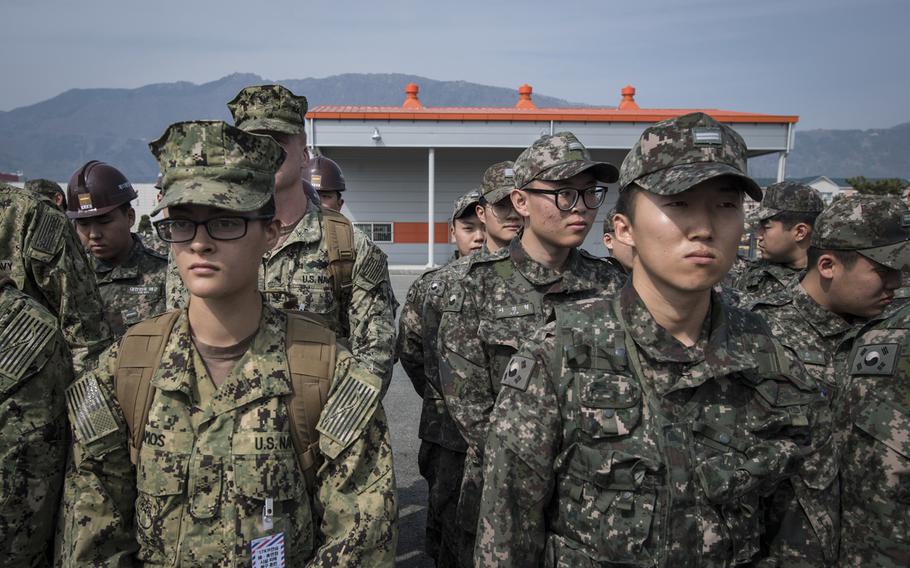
311 359
141 350
339 236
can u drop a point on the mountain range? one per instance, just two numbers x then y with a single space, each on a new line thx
54 137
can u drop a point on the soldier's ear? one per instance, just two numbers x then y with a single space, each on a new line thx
622 230
272 230
826 266
801 232
520 202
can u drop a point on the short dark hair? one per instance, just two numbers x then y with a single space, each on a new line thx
625 203
846 257
789 219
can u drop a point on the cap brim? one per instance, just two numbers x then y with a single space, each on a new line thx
677 179
497 195
602 171
255 125
763 213
214 193
896 256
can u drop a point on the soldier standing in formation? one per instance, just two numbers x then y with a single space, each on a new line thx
620 253
644 428
49 190
501 223
442 448
130 276
504 296
253 433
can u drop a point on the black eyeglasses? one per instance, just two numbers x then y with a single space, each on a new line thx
566 197
219 228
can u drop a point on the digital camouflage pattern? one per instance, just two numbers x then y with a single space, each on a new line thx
677 154
498 182
789 196
876 226
821 340
503 298
211 457
41 252
442 448
557 157
874 421
296 275
45 188
134 290
613 444
760 279
465 203
34 372
268 108
211 161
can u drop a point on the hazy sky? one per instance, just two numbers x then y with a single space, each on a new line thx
836 63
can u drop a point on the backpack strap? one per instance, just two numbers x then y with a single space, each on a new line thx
339 238
311 360
141 350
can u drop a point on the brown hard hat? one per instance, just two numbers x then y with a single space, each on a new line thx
324 174
95 189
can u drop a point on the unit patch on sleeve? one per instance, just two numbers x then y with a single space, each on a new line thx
518 373
875 359
89 413
348 410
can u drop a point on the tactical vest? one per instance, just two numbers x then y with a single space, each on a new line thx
339 239
311 361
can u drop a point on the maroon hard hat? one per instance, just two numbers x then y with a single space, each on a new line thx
95 189
324 174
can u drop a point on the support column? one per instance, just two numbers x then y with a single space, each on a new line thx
431 205
782 166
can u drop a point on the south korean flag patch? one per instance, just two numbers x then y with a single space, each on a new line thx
518 373
876 359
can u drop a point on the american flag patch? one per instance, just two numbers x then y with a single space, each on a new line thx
47 235
20 342
90 415
347 410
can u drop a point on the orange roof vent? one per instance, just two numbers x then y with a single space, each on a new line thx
628 99
411 90
524 97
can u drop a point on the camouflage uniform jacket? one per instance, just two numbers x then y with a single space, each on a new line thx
34 372
419 360
296 276
874 419
40 251
501 299
614 444
762 278
134 290
212 459
821 340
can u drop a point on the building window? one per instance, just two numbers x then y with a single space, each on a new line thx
378 232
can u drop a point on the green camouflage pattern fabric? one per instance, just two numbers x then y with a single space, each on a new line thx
296 275
761 278
152 241
874 422
45 188
504 297
821 340
608 221
876 226
612 443
440 458
556 157
498 182
209 162
134 290
268 108
34 372
41 252
464 203
677 154
211 457
790 196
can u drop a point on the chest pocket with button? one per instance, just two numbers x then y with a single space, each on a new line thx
161 480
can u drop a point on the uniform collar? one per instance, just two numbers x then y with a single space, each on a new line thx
129 268
781 272
574 277
307 231
825 322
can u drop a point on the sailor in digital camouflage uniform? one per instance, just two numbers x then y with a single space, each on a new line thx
441 455
505 296
42 254
817 317
35 370
641 429
218 479
785 219
620 252
353 291
49 190
501 223
130 276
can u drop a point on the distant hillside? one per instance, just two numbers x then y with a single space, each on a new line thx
54 137
879 153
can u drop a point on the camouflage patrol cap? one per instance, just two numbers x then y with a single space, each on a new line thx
876 226
556 157
270 108
608 221
789 196
209 162
465 203
498 182
677 154
44 187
